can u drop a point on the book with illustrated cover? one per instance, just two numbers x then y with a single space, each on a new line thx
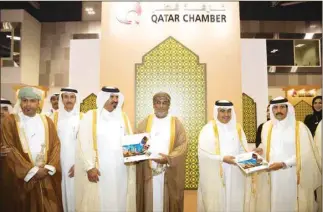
137 147
251 162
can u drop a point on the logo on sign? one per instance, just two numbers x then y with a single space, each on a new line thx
132 16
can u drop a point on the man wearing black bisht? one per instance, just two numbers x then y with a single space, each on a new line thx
312 120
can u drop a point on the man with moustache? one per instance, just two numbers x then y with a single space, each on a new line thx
222 185
67 119
294 171
33 161
102 181
160 182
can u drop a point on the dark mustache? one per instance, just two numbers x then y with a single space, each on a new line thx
279 113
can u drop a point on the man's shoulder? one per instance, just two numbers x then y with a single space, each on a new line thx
9 119
266 124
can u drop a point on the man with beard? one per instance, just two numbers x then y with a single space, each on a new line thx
102 181
67 120
160 182
294 171
33 161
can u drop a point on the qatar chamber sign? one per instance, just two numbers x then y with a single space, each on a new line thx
178 12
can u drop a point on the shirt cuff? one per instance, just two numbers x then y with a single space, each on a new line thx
51 169
290 162
31 173
89 166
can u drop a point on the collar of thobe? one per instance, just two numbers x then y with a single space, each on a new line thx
282 124
227 127
168 115
66 114
26 119
106 115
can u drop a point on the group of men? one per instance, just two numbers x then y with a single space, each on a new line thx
69 161
65 160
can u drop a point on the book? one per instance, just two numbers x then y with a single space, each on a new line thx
137 148
251 162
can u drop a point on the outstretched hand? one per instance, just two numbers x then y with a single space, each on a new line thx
162 160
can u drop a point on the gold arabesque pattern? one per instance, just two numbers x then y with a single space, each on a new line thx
173 68
249 121
302 109
89 103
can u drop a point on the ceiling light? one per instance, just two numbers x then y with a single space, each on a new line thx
274 51
309 35
300 45
90 10
312 26
14 37
293 69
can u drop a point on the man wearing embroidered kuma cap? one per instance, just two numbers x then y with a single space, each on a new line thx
67 119
164 177
221 182
34 157
294 171
107 184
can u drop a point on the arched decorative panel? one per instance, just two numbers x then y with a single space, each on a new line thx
249 115
88 103
302 109
173 68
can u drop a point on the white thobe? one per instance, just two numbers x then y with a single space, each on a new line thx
115 190
160 135
283 181
113 180
233 194
35 138
67 129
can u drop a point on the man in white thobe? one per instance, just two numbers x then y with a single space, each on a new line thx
160 182
318 144
66 121
294 173
221 183
51 104
106 183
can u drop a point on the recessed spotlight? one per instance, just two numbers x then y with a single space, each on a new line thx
274 51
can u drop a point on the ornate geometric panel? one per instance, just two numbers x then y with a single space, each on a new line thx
89 103
302 109
173 68
249 114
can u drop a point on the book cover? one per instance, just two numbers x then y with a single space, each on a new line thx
251 162
136 147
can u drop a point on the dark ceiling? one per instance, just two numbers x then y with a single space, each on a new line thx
55 11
